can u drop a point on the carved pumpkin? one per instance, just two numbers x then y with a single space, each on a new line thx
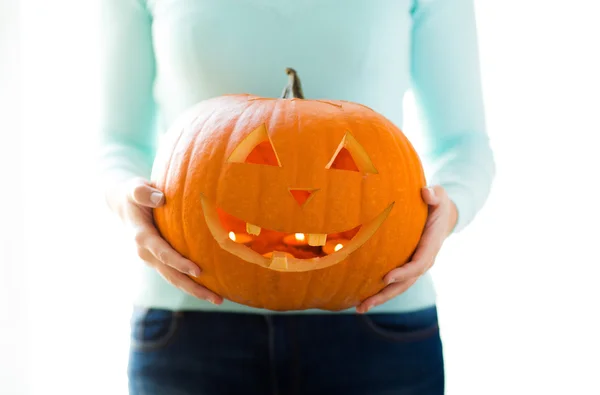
289 203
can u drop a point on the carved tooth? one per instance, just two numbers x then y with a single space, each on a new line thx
279 260
252 229
317 239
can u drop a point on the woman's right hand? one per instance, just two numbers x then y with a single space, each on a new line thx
134 206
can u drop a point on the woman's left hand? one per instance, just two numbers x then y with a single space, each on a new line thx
440 222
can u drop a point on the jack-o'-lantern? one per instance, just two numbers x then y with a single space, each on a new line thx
289 203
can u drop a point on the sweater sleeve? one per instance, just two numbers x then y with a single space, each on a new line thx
127 133
447 89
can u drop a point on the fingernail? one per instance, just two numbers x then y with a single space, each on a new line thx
194 272
156 197
391 280
212 301
432 191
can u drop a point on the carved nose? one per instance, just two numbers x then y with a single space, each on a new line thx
302 195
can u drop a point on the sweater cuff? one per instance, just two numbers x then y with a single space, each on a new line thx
119 162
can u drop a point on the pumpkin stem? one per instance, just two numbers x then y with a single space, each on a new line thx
293 89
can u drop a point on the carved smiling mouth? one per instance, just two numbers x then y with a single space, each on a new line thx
279 259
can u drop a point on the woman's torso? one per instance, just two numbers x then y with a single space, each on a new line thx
357 50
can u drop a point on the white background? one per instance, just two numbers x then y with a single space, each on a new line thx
518 290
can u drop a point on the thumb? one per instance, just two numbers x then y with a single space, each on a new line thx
433 195
141 192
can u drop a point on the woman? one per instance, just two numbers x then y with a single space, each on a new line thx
162 56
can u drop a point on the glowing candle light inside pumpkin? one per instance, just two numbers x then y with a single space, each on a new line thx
240 238
334 246
297 239
270 254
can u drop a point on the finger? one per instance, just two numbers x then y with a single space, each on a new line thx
423 258
433 195
140 192
429 245
188 285
384 295
149 239
407 271
183 282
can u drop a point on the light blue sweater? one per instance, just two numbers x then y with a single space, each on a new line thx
163 56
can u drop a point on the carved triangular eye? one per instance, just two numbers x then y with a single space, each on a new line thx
351 156
256 148
344 161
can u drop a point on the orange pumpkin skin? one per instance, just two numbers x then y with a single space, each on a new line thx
203 172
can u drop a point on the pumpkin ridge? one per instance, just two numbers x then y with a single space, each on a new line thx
336 290
222 159
389 189
181 221
376 247
342 283
263 297
306 287
345 268
411 179
243 116
298 129
166 233
358 288
348 129
260 295
414 179
190 157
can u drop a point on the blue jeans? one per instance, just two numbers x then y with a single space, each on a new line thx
208 353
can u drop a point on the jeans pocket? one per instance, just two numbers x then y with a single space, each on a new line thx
153 329
403 327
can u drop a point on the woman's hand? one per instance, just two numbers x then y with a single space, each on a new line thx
134 205
440 222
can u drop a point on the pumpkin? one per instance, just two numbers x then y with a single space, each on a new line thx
289 203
